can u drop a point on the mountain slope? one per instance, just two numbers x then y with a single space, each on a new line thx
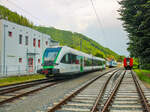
73 40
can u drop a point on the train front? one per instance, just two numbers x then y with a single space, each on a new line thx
128 63
49 61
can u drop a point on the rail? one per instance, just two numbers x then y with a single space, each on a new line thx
106 105
94 109
141 94
16 96
57 106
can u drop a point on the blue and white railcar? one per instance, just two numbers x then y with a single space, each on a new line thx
112 63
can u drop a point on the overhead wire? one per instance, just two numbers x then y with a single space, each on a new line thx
98 19
27 12
36 18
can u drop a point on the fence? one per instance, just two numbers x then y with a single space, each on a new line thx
18 70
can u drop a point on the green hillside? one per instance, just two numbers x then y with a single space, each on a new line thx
5 13
73 40
63 37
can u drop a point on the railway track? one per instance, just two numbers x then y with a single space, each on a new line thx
13 92
20 83
129 95
11 88
115 92
82 99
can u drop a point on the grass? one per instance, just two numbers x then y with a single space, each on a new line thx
18 79
143 75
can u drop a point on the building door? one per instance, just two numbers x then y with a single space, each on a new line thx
30 64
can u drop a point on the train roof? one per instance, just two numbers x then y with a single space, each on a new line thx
79 52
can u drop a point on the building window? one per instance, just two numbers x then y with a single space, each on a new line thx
34 42
38 60
20 60
10 34
39 43
46 42
26 40
20 39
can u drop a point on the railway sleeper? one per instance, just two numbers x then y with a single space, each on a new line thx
73 110
127 109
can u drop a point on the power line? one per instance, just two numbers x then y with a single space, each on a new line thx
27 12
98 18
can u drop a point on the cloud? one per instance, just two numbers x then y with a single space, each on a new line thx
78 16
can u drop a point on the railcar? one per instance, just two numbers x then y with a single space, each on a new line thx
111 63
65 61
128 63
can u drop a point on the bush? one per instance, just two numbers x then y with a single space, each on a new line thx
146 66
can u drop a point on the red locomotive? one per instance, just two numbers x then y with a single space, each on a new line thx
128 63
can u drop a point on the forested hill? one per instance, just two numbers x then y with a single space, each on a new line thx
14 17
73 40
63 37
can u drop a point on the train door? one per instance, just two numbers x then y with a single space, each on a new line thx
102 65
30 64
81 64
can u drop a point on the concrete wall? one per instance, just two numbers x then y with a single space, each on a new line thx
1 30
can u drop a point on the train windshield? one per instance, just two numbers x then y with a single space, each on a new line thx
128 61
50 54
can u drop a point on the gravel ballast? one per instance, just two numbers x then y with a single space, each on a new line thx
40 100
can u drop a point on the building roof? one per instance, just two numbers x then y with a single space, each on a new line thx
7 21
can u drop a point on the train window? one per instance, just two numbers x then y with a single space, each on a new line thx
65 59
77 60
88 62
104 62
73 58
50 54
95 62
85 61
98 62
128 59
70 59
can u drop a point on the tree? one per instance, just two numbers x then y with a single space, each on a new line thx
135 15
100 54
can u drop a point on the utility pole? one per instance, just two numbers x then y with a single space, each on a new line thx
4 49
80 44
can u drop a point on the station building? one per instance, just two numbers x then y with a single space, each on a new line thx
21 49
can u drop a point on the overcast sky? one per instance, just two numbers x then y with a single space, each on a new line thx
77 16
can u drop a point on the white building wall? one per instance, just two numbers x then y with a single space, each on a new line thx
12 50
0 47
